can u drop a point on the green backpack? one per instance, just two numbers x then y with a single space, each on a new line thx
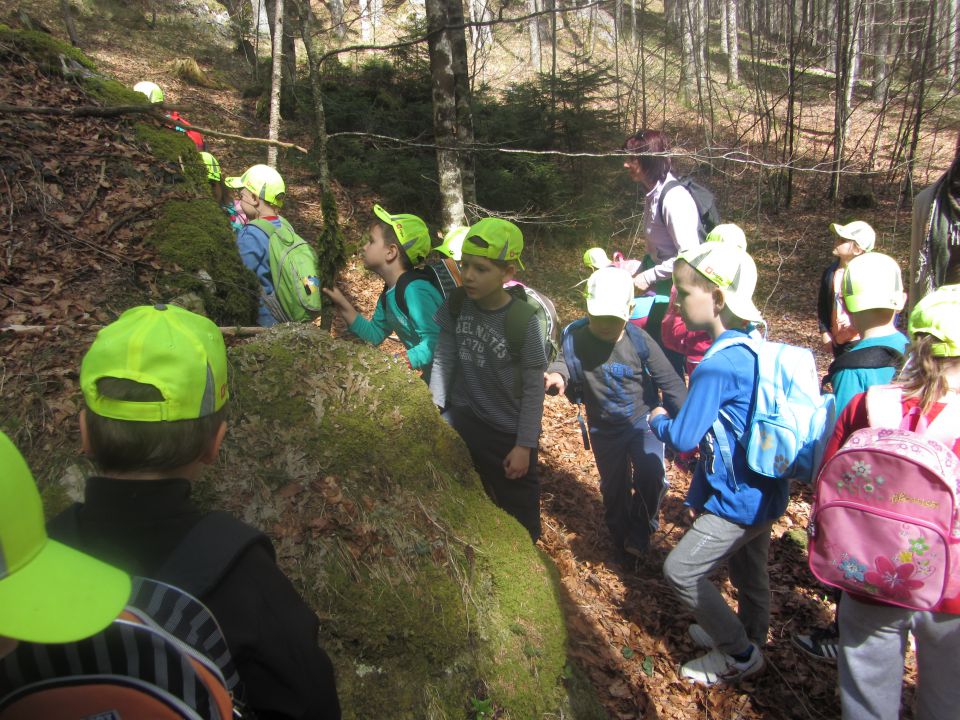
293 267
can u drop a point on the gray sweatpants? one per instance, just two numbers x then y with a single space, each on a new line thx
873 640
706 545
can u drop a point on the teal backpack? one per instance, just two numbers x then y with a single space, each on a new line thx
293 267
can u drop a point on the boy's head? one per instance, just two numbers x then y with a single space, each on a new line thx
728 233
853 239
452 245
151 90
408 234
50 593
261 189
716 280
609 302
155 387
872 290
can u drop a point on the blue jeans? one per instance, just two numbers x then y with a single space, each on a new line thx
632 481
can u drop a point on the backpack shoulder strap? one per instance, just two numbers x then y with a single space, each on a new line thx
208 552
572 361
455 302
400 289
518 315
877 356
663 193
264 226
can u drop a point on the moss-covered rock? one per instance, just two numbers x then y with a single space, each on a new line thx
194 237
41 47
429 596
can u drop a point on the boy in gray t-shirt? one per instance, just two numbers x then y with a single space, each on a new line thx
491 393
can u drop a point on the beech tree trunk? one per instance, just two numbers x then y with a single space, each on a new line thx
536 61
443 82
276 82
730 31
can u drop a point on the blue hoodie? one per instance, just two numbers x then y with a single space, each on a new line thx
725 381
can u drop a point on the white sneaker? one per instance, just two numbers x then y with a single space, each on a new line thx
701 638
716 666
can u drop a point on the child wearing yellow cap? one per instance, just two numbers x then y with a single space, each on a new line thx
873 636
732 515
261 195
836 329
475 378
155 393
397 243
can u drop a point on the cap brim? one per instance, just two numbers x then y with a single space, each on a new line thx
61 595
743 309
601 308
233 182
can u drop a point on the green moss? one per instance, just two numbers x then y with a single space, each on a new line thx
194 236
177 148
111 92
44 49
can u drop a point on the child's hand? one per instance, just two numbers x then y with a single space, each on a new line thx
553 383
656 412
516 463
339 300
640 284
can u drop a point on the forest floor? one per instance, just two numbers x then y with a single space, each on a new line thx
79 248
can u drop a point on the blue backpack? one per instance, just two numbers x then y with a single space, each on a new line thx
791 421
574 389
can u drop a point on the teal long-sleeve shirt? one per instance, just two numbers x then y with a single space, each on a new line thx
417 331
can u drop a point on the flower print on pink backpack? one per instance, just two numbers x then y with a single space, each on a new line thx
884 524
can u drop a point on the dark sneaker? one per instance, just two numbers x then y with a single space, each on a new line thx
821 644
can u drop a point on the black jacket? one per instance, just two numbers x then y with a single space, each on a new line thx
272 634
825 298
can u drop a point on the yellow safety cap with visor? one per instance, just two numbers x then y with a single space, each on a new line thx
262 181
452 244
49 592
178 352
412 233
732 270
213 166
872 281
150 89
501 240
938 314
610 293
860 232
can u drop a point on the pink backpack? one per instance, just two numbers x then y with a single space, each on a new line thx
885 522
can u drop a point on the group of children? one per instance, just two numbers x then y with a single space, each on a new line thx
155 388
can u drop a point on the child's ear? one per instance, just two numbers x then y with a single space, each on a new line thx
719 301
212 450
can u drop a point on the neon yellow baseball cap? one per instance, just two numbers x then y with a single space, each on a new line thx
610 293
178 352
728 233
500 240
732 270
263 181
858 231
151 90
595 258
452 244
213 167
49 592
411 231
938 314
873 281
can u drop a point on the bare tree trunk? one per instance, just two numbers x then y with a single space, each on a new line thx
882 17
688 46
443 83
536 62
724 43
319 149
276 82
337 13
950 42
731 32
461 75
67 13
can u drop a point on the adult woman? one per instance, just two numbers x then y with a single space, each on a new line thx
670 221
